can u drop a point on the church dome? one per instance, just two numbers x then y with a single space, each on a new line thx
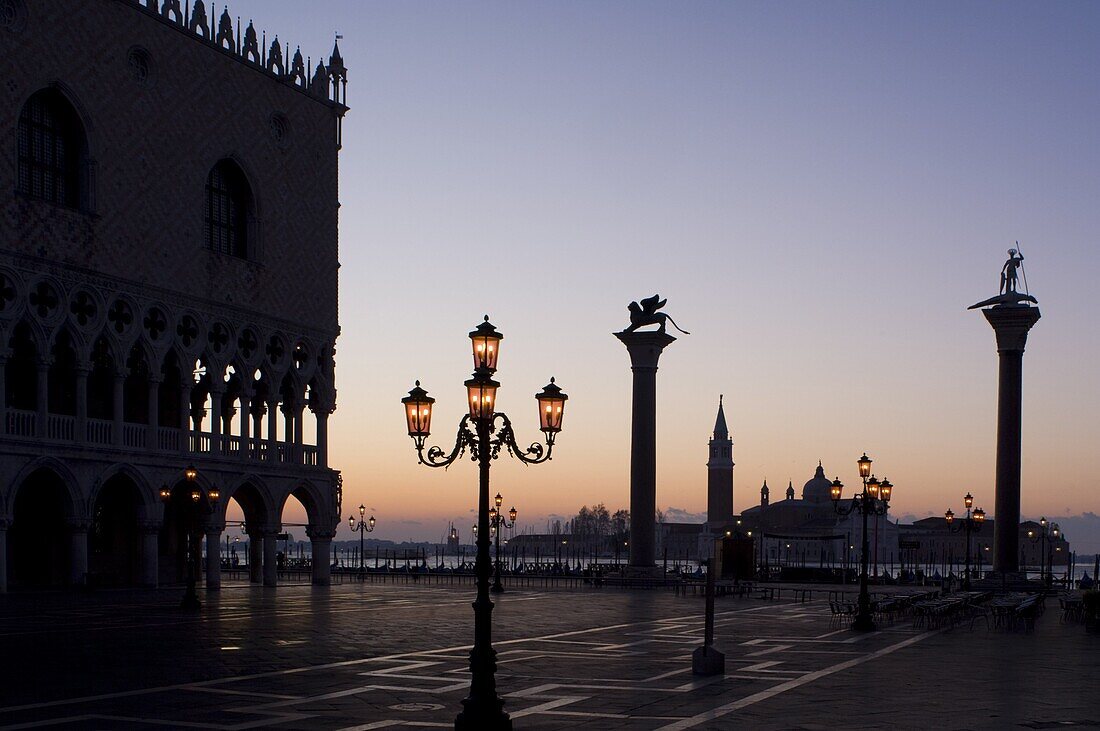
817 489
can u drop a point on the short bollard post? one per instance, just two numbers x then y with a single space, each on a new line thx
706 660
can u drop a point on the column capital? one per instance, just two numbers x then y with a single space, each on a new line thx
320 534
1011 324
150 526
645 348
78 525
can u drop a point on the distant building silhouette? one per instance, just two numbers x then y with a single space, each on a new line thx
168 275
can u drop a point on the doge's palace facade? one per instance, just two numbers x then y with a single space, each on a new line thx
168 288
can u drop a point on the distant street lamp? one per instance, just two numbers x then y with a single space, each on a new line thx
1048 533
361 527
198 507
485 432
972 523
498 523
874 500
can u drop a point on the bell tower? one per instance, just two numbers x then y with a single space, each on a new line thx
720 472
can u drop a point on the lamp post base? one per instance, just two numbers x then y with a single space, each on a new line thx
497 588
482 716
191 600
864 623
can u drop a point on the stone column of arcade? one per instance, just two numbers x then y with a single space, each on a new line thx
78 528
213 557
255 556
271 566
1011 315
645 350
150 550
321 548
3 555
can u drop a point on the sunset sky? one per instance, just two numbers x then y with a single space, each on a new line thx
819 189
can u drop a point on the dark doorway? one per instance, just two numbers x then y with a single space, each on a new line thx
115 538
39 542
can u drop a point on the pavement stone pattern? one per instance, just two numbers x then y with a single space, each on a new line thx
395 656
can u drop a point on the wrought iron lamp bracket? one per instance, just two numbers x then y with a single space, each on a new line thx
506 438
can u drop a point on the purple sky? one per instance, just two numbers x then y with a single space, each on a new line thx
819 189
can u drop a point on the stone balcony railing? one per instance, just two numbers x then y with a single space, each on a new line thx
61 430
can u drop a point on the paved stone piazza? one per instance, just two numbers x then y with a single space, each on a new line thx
394 656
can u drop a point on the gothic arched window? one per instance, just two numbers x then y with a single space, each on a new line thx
228 205
51 149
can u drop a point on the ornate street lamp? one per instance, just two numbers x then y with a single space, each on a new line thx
198 507
972 523
1048 533
874 500
497 523
361 527
485 432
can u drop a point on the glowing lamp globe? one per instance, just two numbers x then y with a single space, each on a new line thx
864 463
551 407
486 346
979 516
481 392
886 489
835 489
949 516
512 514
418 412
968 501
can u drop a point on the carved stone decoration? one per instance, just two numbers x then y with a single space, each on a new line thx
251 50
298 69
275 58
319 85
8 294
218 338
187 332
85 310
225 32
279 126
140 64
275 351
154 323
248 345
44 301
647 313
13 15
199 21
121 316
171 9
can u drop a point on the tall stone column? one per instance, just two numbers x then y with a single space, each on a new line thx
116 407
82 371
150 553
3 552
78 563
272 429
322 437
153 412
321 548
185 416
42 399
213 558
246 420
645 350
1011 324
255 557
271 566
215 421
